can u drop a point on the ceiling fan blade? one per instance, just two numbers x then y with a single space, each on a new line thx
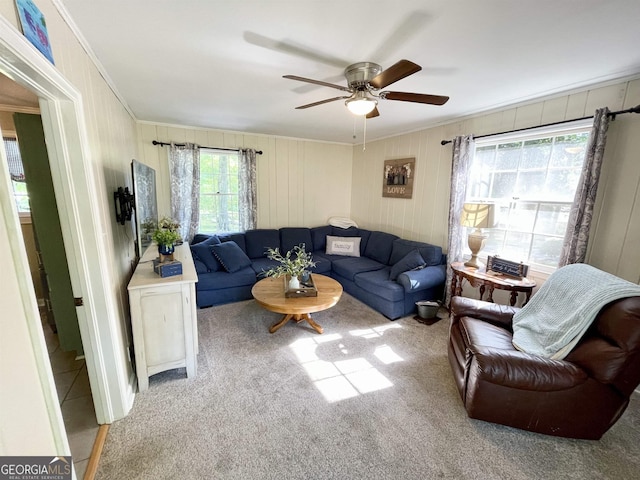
320 102
317 82
373 113
415 97
395 72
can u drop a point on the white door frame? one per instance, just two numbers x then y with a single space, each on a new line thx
110 375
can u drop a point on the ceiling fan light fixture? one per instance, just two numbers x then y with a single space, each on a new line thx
360 104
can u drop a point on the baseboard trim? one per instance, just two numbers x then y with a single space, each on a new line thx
96 452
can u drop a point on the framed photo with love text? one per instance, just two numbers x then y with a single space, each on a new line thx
398 176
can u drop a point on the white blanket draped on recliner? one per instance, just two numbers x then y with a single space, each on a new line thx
559 314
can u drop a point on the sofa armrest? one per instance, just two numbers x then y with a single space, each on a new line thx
501 315
427 277
516 369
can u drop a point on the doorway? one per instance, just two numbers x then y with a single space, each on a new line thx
43 207
110 375
35 199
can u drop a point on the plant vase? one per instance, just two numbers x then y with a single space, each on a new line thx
294 283
304 289
166 253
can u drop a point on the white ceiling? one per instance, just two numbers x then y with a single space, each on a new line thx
219 64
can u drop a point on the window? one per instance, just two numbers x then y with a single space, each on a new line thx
219 191
21 196
532 179
18 182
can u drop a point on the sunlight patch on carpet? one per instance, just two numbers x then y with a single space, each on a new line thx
386 355
336 389
374 332
347 373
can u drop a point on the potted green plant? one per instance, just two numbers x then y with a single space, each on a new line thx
166 236
294 263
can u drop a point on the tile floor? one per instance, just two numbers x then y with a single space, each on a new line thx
74 392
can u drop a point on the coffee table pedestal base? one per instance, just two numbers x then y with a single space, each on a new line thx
297 317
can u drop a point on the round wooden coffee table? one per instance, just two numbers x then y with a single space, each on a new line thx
269 292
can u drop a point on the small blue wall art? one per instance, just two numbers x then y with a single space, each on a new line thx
34 27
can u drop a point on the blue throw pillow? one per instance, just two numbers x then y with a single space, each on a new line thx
410 261
202 252
200 237
200 266
231 256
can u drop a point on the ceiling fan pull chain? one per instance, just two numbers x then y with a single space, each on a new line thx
355 119
364 136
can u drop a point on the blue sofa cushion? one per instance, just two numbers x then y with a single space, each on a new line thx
432 254
349 267
221 280
231 256
379 283
234 237
202 253
423 279
257 241
261 265
379 246
344 232
344 246
365 235
319 237
292 237
410 261
323 264
200 266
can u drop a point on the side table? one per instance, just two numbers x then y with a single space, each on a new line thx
163 317
489 282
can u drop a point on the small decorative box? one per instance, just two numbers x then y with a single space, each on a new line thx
167 269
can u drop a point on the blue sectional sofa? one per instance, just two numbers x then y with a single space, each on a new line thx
386 272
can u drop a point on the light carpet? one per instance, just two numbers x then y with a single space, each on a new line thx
368 399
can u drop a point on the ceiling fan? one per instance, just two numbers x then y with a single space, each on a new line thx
365 80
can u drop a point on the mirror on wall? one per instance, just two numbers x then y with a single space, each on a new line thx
146 204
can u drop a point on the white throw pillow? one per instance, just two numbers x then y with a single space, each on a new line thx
347 246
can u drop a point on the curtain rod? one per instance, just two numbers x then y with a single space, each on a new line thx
162 144
635 109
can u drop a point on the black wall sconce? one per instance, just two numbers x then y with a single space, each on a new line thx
123 202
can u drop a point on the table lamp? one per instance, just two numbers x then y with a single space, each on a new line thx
477 216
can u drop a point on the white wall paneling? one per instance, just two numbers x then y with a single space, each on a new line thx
300 182
616 231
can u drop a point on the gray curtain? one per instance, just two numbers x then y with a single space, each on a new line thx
14 159
574 247
462 156
184 175
248 192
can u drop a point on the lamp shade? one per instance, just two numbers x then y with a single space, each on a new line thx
361 104
478 215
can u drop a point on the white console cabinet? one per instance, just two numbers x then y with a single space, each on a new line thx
163 317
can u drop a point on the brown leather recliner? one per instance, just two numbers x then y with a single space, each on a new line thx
581 396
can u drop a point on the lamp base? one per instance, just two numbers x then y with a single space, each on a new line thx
476 241
473 262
